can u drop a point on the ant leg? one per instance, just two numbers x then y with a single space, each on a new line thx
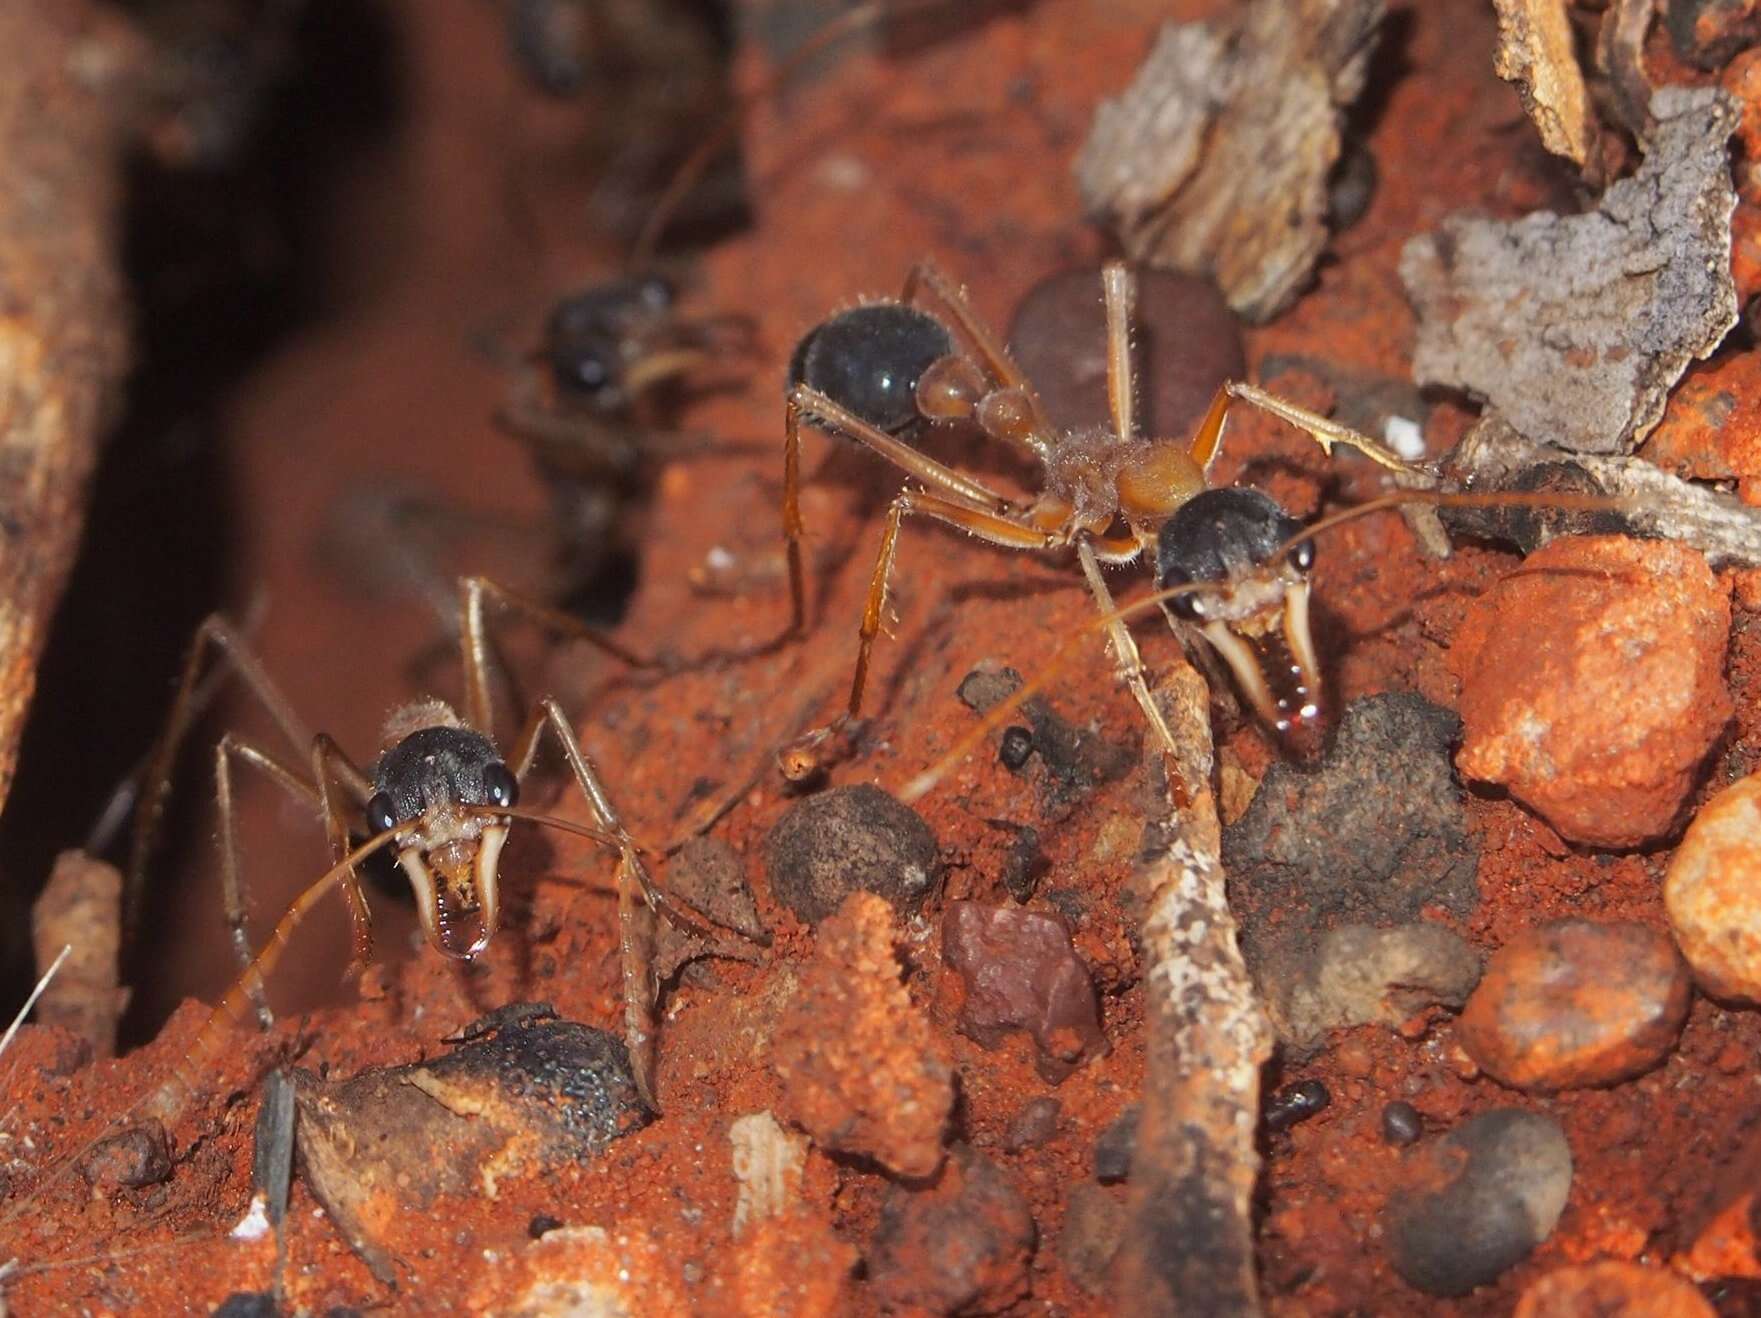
474 640
1131 670
638 896
331 766
1323 431
1119 292
799 759
231 885
156 782
814 407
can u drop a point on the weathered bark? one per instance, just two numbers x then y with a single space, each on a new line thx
63 319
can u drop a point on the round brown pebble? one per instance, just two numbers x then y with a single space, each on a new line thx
850 839
1612 1289
1593 684
1187 343
1576 1003
1713 893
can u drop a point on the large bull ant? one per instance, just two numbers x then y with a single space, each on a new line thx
441 795
1231 564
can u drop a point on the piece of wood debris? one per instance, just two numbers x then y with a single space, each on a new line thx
1576 327
81 907
1189 1245
1215 160
1535 54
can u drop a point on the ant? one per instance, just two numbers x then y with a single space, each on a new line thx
441 795
590 406
1232 566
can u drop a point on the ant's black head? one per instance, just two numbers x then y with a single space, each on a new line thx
1222 535
422 787
1257 615
592 338
868 359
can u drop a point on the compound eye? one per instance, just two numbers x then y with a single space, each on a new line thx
1303 555
1186 606
381 814
500 785
585 371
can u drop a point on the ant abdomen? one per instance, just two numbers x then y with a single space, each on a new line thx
585 336
869 360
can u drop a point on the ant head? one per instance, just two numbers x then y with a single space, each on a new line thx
869 359
1257 618
423 786
596 340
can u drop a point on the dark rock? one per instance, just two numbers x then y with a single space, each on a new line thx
1024 863
537 1094
1371 837
542 1224
1116 1147
961 1246
1033 1125
708 876
1355 975
140 1155
1185 339
1575 1003
987 685
1094 1224
1022 973
1478 1200
1402 1124
845 840
1016 747
1294 1103
248 1304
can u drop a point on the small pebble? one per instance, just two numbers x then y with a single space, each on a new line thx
1402 1124
1094 1224
140 1155
1612 1289
248 1304
1016 747
1294 1103
1356 975
1021 972
1033 1125
845 840
961 1246
1712 893
1116 1147
1593 684
1576 1003
1478 1200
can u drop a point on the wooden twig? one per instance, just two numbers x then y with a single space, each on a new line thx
1188 1246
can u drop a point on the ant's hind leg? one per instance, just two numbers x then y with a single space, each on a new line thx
475 649
231 881
638 896
217 631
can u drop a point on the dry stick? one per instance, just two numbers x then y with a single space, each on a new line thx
1188 1242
